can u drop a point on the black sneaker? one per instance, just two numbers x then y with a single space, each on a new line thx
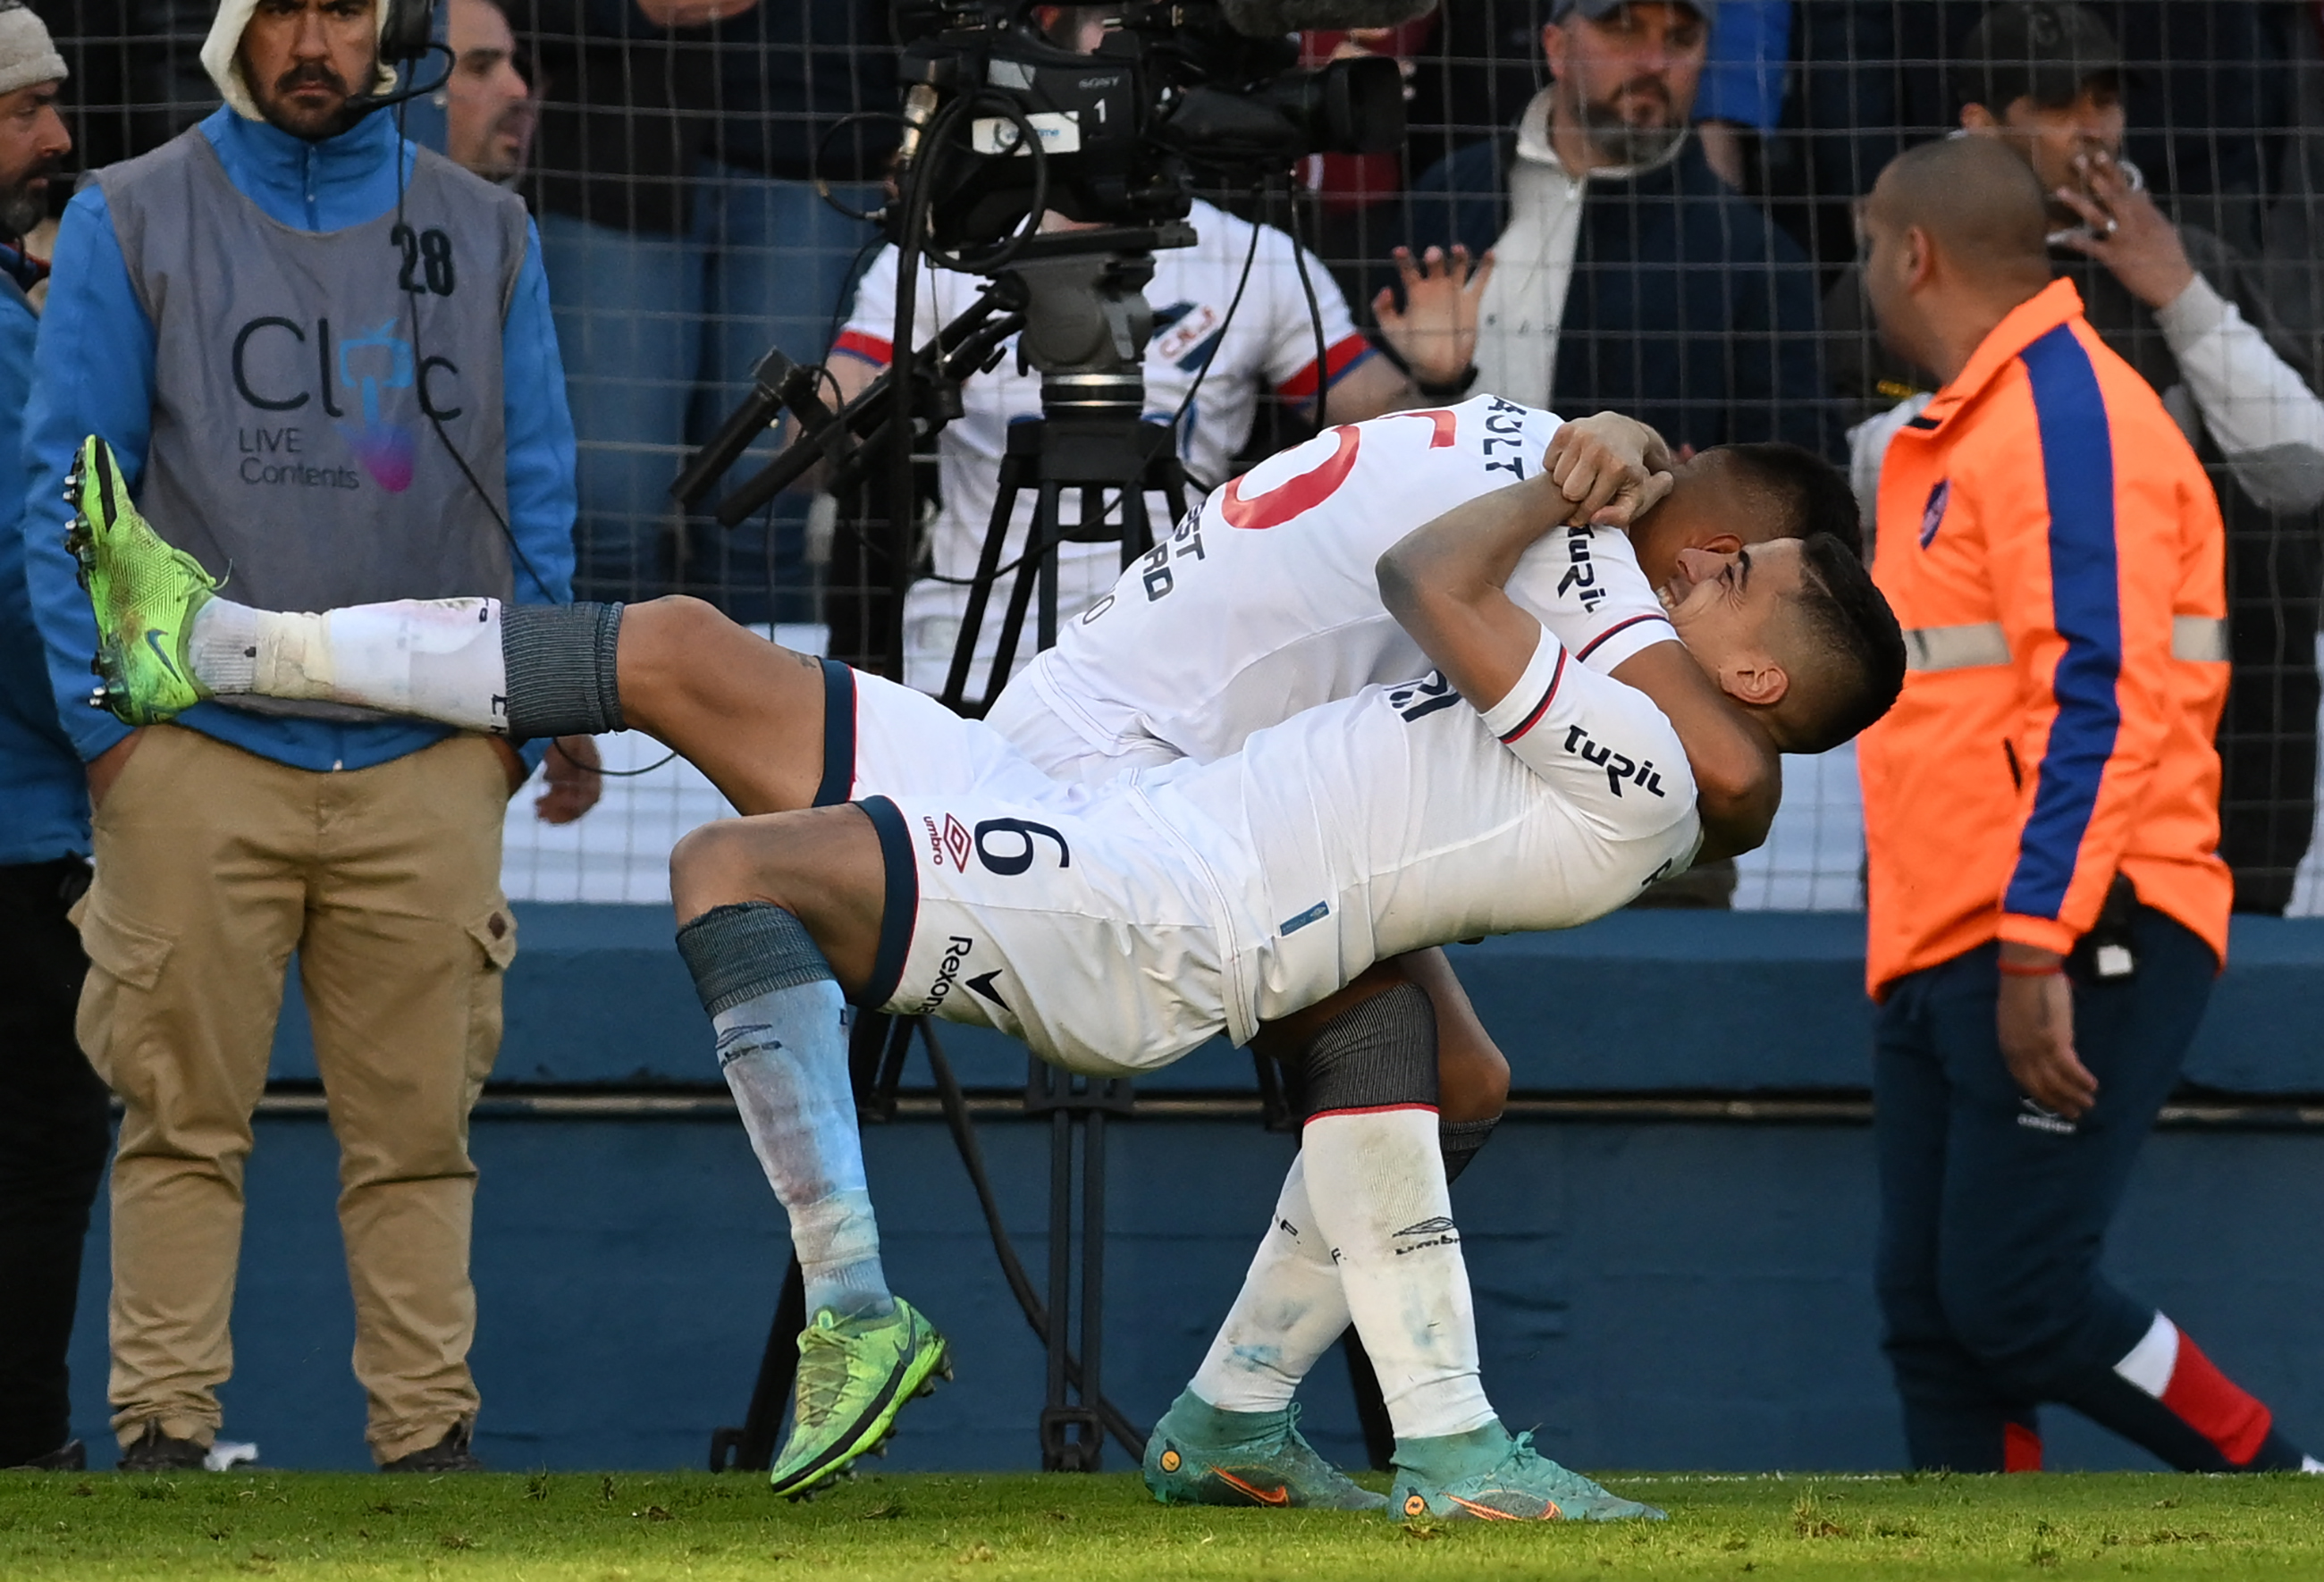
449 1454
72 1456
155 1451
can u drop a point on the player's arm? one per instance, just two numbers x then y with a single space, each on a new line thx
1446 584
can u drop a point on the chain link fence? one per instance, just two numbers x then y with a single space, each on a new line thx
673 173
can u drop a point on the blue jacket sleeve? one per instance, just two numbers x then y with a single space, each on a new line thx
1750 51
541 443
541 456
92 373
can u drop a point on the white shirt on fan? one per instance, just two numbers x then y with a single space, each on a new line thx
1271 339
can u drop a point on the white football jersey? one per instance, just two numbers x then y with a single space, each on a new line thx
1115 927
1400 818
1265 602
1271 339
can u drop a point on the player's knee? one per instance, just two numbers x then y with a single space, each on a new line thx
1473 1077
663 630
713 866
1379 1053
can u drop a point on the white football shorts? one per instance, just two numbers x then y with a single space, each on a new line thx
1078 923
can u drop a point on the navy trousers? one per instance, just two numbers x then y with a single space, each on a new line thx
1994 1213
55 1132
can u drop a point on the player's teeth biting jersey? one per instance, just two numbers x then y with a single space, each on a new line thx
1265 602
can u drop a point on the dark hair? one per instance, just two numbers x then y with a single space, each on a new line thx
1812 494
1857 648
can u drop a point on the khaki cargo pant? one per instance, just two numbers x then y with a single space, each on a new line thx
212 867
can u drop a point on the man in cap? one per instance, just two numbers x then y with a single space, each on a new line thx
330 354
53 1126
2192 317
1625 273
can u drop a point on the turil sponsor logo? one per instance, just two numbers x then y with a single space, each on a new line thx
1580 578
1619 767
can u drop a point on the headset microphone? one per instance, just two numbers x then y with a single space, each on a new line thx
408 37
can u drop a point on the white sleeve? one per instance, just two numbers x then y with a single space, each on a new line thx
1868 448
1584 585
1602 745
1291 326
870 328
2268 423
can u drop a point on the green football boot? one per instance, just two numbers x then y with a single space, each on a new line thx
145 594
1200 1456
1485 1476
854 1375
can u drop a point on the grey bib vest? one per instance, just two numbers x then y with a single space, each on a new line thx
300 378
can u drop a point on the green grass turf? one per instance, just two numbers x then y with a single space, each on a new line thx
585 1527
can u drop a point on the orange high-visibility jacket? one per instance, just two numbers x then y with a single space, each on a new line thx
2054 552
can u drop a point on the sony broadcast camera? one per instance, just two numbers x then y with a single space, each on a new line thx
1002 123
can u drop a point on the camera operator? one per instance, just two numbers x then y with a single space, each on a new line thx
1269 339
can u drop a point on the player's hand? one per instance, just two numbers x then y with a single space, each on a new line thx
1611 469
105 767
692 13
1435 335
511 765
575 783
2129 234
2036 1023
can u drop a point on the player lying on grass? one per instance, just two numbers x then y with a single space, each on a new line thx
1502 846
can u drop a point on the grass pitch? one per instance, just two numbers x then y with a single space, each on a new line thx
576 1527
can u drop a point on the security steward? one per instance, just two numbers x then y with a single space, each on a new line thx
325 359
2047 905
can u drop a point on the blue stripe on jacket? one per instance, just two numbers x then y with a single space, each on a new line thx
2078 476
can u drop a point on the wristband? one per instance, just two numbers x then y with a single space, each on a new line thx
2011 970
1458 386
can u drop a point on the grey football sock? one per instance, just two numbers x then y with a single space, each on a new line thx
1461 1140
561 669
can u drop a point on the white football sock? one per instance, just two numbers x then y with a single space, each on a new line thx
436 658
1289 1311
1375 1181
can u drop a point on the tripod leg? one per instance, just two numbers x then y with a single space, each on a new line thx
979 591
751 1447
1056 1449
1040 540
1091 1443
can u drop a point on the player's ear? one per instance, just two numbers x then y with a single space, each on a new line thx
1722 544
1756 682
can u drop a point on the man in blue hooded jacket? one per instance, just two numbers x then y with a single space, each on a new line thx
328 355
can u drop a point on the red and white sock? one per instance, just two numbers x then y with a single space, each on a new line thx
1290 1309
2172 1369
1376 1184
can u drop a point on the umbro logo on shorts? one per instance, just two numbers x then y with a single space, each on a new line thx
950 841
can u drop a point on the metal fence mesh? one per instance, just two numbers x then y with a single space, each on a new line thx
670 171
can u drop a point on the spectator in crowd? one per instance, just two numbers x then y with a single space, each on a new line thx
325 358
1741 98
1627 275
2193 316
53 1126
2045 896
679 148
488 105
1271 338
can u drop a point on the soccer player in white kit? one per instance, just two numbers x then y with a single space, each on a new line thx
1391 819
